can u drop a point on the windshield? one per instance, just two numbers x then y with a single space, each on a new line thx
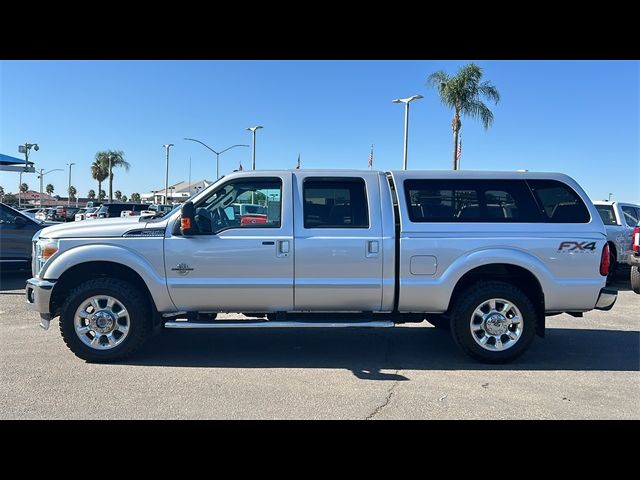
607 215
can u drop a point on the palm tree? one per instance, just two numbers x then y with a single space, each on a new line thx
102 195
99 172
49 189
463 93
135 197
72 192
118 195
91 194
117 160
124 198
24 188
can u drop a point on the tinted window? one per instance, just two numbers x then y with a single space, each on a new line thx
630 216
335 203
606 213
470 201
558 202
7 215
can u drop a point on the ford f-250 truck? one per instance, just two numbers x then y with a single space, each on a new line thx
486 254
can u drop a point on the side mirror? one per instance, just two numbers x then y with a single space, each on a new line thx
187 220
20 222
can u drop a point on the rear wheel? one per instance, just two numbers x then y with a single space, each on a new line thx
105 319
494 322
635 279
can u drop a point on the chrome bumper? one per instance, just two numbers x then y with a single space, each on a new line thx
606 299
38 294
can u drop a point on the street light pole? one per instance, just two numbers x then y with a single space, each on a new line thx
217 153
25 149
253 155
406 102
41 177
167 146
69 187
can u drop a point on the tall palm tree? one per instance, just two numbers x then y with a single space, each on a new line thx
99 172
49 189
118 195
72 192
462 92
91 194
24 187
117 160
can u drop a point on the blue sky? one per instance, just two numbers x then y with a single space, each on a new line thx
575 117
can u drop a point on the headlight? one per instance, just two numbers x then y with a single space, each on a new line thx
44 250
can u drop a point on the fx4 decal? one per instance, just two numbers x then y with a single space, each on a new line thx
577 246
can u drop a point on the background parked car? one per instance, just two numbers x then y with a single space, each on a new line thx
17 231
91 213
31 212
619 221
110 210
71 214
80 214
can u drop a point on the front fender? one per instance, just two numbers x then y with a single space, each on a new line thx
118 254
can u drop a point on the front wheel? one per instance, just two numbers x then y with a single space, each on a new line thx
105 319
494 322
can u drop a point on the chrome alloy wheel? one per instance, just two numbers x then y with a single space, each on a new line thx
496 324
101 322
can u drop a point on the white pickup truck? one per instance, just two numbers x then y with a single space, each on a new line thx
486 254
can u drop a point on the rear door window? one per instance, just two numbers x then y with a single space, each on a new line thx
558 202
335 203
485 201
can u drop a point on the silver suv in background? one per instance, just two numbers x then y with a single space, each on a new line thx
619 221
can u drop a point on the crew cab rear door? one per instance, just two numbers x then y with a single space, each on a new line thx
338 242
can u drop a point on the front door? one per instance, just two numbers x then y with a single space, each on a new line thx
242 258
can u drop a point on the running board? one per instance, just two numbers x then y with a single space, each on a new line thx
268 324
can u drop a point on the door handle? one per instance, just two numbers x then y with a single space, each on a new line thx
268 243
373 248
283 248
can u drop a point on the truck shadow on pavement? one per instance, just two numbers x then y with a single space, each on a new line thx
368 352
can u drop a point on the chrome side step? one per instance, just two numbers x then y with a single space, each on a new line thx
267 324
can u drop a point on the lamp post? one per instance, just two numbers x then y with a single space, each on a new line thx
166 146
406 102
69 186
42 175
253 155
25 149
217 153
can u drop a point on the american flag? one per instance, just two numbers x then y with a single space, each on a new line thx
298 165
459 151
371 158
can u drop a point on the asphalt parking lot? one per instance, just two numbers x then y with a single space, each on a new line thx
586 368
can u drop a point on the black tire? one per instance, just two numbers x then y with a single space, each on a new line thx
635 279
470 299
134 301
439 321
613 266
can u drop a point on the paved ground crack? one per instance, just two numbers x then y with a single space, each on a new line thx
387 399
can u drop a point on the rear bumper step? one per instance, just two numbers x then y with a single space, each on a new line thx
285 324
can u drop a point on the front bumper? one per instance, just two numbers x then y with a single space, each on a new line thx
606 299
634 260
38 294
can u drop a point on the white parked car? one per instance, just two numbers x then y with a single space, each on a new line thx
619 221
79 215
91 213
